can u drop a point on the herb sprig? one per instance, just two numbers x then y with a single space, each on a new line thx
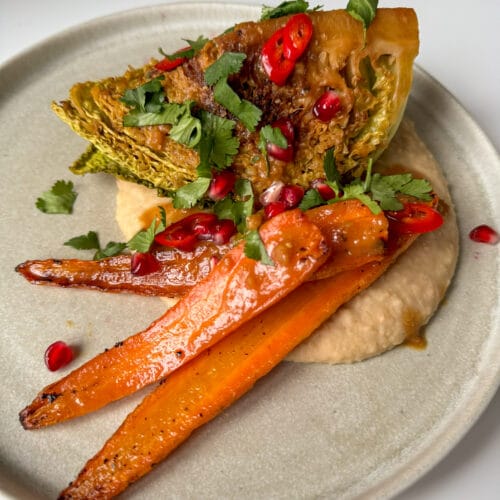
59 199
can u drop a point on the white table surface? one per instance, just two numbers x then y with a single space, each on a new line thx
460 47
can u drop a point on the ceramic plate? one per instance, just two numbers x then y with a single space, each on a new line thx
305 430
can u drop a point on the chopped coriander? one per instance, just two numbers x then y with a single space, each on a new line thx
142 241
111 249
237 209
331 173
147 98
271 135
255 249
216 74
59 200
311 199
90 241
228 63
384 189
284 9
363 11
194 47
217 145
190 194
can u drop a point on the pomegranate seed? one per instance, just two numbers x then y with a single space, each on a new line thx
283 154
327 106
274 208
223 231
58 355
291 195
272 193
326 192
222 184
484 234
143 263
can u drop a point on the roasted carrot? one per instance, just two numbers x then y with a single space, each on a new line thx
215 379
353 232
237 289
179 271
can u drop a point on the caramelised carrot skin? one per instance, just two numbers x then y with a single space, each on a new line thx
237 289
351 229
178 272
204 387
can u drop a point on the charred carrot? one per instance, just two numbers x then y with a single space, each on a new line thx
353 232
215 379
236 290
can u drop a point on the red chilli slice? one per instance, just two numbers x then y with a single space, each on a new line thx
297 35
276 65
414 218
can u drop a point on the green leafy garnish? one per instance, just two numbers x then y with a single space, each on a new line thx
149 108
255 249
90 241
59 200
238 208
284 9
311 199
194 47
378 192
217 145
363 11
271 135
142 241
228 63
190 194
216 74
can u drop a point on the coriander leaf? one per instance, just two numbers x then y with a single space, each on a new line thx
140 97
168 114
419 188
194 47
59 200
89 241
254 248
188 195
244 110
355 191
271 135
187 130
111 249
284 9
217 145
142 241
311 199
227 64
331 172
363 10
237 209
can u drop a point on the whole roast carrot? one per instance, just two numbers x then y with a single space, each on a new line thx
353 232
237 289
215 379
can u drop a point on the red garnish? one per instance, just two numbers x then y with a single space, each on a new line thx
222 183
297 35
327 106
414 218
185 233
283 154
285 46
274 208
484 234
222 231
291 195
143 263
168 64
326 192
58 355
275 64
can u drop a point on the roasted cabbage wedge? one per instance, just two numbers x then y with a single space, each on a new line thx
371 73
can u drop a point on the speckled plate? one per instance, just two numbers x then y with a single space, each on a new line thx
363 430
